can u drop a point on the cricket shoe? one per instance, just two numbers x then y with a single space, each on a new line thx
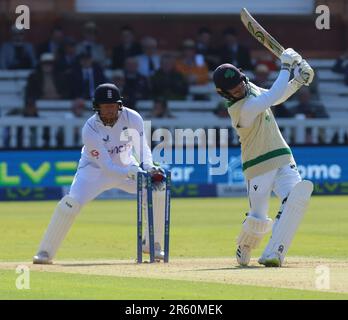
272 260
159 253
243 255
42 257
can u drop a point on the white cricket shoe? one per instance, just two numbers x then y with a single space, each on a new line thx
272 260
42 257
159 253
243 255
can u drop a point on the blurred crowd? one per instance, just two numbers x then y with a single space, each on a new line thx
67 68
70 69
341 66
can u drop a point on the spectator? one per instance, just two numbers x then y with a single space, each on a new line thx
136 86
205 48
53 44
17 54
108 58
233 52
314 87
118 79
281 111
78 107
149 61
261 78
167 82
269 60
307 107
128 48
192 65
89 44
341 66
160 109
30 110
66 57
45 82
86 76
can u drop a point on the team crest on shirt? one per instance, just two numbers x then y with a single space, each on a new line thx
95 154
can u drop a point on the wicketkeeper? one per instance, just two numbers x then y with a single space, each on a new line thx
268 163
114 151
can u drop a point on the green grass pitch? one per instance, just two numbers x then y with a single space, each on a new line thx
202 230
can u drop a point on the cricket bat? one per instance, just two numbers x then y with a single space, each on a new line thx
260 33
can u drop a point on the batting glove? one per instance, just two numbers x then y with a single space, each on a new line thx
290 58
303 73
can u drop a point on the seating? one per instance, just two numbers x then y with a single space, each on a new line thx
208 88
12 87
333 94
184 105
335 103
331 88
328 75
321 63
57 105
14 74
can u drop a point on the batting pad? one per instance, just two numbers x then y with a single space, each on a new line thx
158 199
61 221
253 230
290 219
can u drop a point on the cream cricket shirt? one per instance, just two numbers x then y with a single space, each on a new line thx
262 144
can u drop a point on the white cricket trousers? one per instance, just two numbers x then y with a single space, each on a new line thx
89 182
280 181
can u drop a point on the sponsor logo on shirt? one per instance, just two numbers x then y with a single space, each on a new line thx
118 149
95 154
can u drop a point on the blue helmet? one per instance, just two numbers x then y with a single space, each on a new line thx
106 93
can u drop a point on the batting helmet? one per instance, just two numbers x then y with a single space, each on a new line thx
226 77
106 93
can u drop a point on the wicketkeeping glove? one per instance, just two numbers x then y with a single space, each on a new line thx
133 172
158 175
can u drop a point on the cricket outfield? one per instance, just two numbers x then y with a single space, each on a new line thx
97 259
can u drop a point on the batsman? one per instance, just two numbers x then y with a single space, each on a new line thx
267 161
115 150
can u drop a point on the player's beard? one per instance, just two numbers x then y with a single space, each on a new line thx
243 93
109 120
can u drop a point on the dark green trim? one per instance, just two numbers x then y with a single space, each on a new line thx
266 156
